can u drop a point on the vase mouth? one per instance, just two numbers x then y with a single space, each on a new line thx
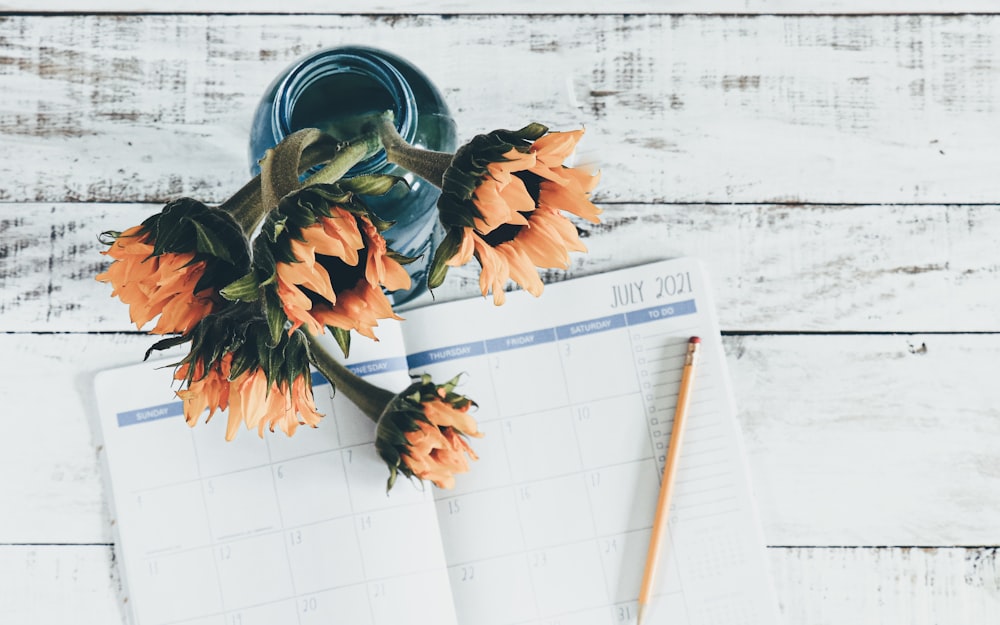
352 62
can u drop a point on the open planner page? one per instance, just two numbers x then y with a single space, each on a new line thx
265 531
576 393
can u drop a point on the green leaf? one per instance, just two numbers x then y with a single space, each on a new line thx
448 248
273 227
108 237
389 433
380 224
229 235
206 243
245 289
373 184
343 338
450 385
320 194
529 133
167 344
401 258
243 361
453 211
275 315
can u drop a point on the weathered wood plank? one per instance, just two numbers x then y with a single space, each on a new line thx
852 440
874 440
775 268
700 108
453 7
820 586
887 585
54 488
59 584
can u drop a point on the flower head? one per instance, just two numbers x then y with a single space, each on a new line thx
231 365
503 201
336 280
422 433
322 259
174 264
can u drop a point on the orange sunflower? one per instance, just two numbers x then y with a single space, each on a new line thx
514 221
422 433
436 454
336 277
250 398
258 404
206 390
234 365
153 285
174 263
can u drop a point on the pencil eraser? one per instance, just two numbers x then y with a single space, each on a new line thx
695 339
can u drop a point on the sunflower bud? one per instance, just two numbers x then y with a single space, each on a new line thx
422 433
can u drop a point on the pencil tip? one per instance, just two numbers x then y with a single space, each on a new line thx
642 611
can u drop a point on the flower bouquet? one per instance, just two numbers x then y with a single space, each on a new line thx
250 285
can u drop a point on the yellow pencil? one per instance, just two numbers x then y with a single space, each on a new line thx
669 473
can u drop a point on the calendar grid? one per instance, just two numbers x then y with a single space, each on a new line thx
357 539
590 497
548 478
521 488
517 506
583 541
251 467
204 502
659 368
550 526
223 612
284 544
251 495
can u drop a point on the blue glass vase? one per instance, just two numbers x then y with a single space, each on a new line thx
334 90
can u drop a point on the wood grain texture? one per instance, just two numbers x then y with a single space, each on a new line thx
458 7
852 440
50 585
880 586
820 586
831 109
859 149
774 268
877 440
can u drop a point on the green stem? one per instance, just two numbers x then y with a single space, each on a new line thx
348 156
371 399
427 164
247 206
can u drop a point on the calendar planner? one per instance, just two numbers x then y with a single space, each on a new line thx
576 393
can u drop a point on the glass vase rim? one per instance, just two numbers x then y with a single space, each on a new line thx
369 62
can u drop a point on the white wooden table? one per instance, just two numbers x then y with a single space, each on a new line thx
836 163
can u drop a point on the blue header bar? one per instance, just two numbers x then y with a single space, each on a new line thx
153 413
658 313
517 341
176 409
590 326
382 365
369 367
452 352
